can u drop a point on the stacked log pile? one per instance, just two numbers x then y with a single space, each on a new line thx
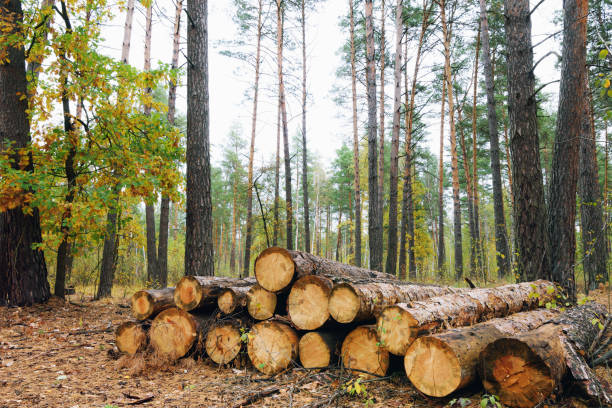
308 310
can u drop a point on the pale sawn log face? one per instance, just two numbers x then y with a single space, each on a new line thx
401 324
173 333
261 303
193 292
223 343
362 351
307 304
274 269
314 351
131 337
147 303
272 346
232 299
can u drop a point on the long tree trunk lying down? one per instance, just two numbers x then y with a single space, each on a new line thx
224 339
148 303
362 352
524 370
174 332
131 337
276 268
401 324
194 292
440 364
357 302
307 304
261 303
272 346
319 349
233 299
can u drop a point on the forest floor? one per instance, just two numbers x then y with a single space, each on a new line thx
62 354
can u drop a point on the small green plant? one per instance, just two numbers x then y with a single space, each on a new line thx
355 386
490 401
245 336
110 406
459 402
188 387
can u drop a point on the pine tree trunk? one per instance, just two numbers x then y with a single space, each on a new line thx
304 148
470 197
591 211
232 264
501 238
199 258
441 249
339 237
164 212
453 142
381 153
23 272
276 235
529 205
476 203
374 216
391 264
357 259
571 116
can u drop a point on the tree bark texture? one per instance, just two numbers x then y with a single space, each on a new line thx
304 147
23 272
193 292
391 264
374 216
199 258
147 304
381 153
441 248
357 191
501 237
564 177
529 205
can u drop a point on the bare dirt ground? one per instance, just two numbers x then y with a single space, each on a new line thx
61 354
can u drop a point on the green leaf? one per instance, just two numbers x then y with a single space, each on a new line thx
603 53
484 402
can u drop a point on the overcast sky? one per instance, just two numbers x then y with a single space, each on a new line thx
230 81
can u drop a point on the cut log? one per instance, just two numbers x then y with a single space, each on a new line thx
318 349
261 303
440 364
276 268
174 332
362 353
524 370
224 340
351 302
131 337
399 325
194 292
233 299
148 303
272 346
307 304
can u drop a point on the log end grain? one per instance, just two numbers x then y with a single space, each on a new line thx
344 303
433 367
188 293
130 337
396 329
274 269
223 343
362 352
173 333
142 305
272 346
513 372
307 304
314 351
261 303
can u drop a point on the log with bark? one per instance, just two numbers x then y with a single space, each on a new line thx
399 325
363 354
225 339
276 268
261 303
131 337
148 303
233 299
174 332
440 364
307 304
524 370
272 346
318 349
357 302
193 292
